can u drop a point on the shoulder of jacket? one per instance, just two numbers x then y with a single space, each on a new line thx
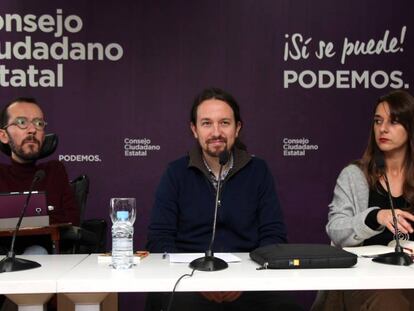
353 170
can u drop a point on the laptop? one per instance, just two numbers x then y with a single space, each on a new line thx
11 206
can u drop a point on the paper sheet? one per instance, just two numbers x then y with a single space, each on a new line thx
369 250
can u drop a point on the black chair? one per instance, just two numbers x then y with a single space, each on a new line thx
90 236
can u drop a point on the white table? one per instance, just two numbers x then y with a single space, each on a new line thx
88 282
31 289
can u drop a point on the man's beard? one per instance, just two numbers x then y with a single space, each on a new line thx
216 152
30 155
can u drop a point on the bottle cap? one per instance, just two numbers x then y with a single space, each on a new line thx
122 215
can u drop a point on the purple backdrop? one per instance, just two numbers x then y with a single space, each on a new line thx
282 60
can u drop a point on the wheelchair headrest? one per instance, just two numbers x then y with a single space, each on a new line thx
49 146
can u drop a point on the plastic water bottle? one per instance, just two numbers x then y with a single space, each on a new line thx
123 215
122 241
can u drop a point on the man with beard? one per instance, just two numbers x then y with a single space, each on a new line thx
22 127
249 215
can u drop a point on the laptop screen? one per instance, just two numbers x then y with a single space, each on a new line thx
11 204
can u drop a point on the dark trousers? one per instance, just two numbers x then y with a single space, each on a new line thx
379 299
365 300
248 301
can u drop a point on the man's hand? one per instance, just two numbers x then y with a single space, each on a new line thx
220 297
384 218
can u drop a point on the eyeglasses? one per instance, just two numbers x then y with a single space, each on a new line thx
23 123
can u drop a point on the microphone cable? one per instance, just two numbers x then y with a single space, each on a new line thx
175 286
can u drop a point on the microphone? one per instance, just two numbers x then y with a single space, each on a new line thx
223 158
398 257
209 262
10 263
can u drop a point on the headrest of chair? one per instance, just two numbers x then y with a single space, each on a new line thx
49 146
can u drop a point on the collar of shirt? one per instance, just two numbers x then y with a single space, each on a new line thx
224 173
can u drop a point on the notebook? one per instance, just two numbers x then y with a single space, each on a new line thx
11 206
302 256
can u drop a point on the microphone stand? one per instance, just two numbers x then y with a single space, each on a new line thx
209 262
10 263
398 257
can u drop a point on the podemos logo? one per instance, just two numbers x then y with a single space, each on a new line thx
80 158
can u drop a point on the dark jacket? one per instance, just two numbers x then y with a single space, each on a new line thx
182 217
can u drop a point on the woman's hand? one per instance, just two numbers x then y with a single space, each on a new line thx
384 218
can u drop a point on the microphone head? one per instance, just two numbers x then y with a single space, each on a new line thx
39 175
224 157
379 160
